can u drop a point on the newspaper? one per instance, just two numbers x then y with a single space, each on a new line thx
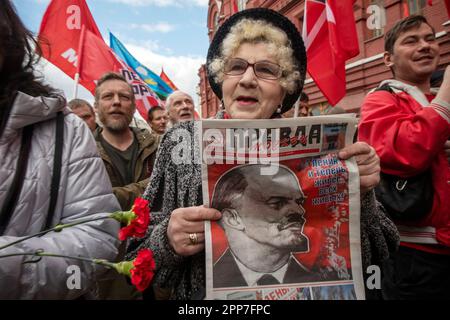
290 225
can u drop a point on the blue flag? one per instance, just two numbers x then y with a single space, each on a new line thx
150 78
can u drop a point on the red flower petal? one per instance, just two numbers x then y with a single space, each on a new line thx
138 226
143 271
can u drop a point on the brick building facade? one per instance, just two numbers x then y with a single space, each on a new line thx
364 71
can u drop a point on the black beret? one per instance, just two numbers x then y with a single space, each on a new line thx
275 19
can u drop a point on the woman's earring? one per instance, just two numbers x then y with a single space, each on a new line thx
279 109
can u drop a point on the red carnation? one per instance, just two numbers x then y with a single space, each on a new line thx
144 269
137 227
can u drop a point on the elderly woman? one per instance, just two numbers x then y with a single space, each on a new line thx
257 65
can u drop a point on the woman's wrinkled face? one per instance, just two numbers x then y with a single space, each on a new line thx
247 96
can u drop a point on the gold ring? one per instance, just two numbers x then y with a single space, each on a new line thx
193 238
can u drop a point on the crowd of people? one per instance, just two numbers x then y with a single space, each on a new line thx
256 66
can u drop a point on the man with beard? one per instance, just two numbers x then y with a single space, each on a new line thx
127 152
263 219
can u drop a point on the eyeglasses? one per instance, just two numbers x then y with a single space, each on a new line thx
263 69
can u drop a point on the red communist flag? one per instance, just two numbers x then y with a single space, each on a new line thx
329 32
96 58
167 80
447 4
235 6
60 32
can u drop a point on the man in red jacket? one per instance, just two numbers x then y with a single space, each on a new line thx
409 128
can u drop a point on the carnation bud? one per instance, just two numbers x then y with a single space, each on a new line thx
124 267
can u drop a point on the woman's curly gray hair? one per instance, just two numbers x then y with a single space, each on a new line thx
259 31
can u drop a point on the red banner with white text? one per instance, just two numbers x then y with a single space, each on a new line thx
60 32
329 32
97 58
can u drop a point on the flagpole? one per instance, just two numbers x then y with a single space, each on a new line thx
75 89
79 61
296 108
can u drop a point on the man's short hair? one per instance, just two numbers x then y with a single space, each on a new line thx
152 111
111 76
304 97
77 103
231 185
170 98
411 22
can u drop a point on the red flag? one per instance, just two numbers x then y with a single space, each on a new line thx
97 58
329 32
405 9
235 6
60 32
166 79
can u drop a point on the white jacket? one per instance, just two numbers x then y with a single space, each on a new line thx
84 191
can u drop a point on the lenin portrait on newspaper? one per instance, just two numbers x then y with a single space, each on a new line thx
263 219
